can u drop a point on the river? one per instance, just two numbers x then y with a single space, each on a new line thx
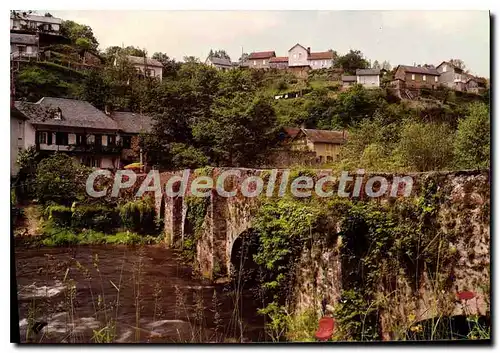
126 294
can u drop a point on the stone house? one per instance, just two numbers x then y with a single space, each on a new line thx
278 62
260 60
325 143
145 66
417 77
131 125
452 77
23 46
368 78
222 64
300 56
74 127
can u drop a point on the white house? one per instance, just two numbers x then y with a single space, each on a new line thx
219 63
299 55
23 21
146 66
22 136
368 78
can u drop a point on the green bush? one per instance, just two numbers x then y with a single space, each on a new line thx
97 217
139 215
59 215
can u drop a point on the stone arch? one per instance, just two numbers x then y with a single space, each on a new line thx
241 256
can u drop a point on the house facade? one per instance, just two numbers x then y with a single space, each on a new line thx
23 46
219 63
325 144
417 77
146 66
300 56
21 136
368 78
23 21
72 126
260 60
321 60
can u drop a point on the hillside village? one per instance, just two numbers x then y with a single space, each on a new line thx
58 117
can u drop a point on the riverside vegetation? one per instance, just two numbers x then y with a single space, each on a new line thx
203 117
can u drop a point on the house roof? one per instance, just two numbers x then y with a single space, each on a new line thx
367 72
348 78
279 59
459 70
75 113
38 18
27 39
300 45
261 55
220 61
321 55
14 112
325 136
132 123
139 60
420 70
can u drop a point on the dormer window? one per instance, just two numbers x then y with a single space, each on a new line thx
58 114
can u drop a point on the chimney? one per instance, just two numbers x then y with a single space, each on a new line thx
309 50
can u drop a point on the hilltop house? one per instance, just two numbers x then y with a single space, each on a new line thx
260 60
23 46
325 143
219 63
416 77
131 125
20 133
145 66
23 21
300 56
368 78
72 126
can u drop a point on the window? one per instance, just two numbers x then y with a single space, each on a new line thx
42 137
62 138
435 79
413 77
254 62
111 140
424 78
29 49
98 140
91 161
127 141
263 62
81 139
295 56
21 49
444 68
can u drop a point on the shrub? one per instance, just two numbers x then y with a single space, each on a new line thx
98 217
59 215
138 215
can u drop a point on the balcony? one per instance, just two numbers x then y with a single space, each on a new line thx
87 148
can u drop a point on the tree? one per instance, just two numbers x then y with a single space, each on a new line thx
472 140
376 65
221 53
96 90
352 61
170 66
458 63
60 179
243 57
386 65
191 59
75 31
425 147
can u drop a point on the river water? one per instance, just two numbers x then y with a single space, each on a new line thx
126 294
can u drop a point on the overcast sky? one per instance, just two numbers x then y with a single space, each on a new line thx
401 37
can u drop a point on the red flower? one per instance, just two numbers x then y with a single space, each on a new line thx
466 295
325 330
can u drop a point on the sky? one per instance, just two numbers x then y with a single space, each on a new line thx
400 37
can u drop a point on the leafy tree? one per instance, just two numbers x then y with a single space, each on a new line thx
170 66
96 90
386 65
191 59
239 132
376 65
352 61
472 141
243 57
75 31
60 179
424 147
83 43
221 53
458 63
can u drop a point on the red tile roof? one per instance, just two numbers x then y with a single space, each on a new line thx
261 55
420 70
279 59
321 55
